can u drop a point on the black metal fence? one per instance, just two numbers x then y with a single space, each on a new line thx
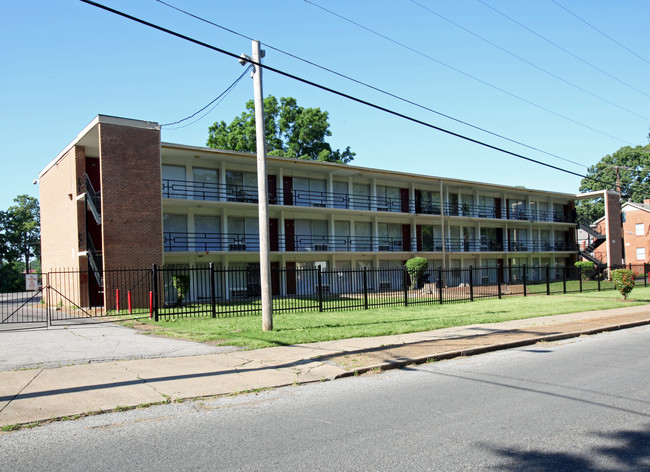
212 291
224 292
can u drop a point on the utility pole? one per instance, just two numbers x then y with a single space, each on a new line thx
262 193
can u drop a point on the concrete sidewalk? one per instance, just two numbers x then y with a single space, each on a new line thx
41 394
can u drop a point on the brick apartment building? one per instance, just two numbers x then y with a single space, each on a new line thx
117 197
635 223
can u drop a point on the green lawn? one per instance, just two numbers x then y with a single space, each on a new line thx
295 328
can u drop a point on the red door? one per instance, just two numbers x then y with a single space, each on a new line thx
275 278
404 194
497 208
287 183
289 236
406 237
290 273
273 234
418 201
272 189
418 235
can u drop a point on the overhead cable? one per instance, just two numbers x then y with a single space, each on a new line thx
336 92
601 32
222 94
431 58
565 50
372 87
555 76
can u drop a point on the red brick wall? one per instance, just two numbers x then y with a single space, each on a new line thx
131 196
634 216
614 227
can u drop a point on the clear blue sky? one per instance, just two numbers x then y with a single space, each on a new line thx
64 62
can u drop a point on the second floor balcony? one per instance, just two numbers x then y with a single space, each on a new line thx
205 191
237 242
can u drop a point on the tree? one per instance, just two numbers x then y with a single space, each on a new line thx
633 167
20 231
415 268
290 130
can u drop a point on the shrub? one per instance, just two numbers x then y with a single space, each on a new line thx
415 268
182 285
586 267
623 281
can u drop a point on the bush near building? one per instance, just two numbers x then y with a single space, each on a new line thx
623 281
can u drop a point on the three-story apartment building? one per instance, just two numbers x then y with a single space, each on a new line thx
118 197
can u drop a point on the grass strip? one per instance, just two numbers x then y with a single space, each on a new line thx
308 327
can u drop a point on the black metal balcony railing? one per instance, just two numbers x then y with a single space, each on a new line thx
248 194
188 190
233 242
202 242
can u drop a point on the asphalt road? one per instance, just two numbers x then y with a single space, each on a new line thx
582 404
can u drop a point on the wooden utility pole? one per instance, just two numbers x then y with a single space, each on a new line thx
262 192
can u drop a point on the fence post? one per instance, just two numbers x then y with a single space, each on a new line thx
154 289
320 289
645 274
598 276
45 283
564 279
524 278
440 284
499 281
580 278
405 278
548 280
365 287
213 295
471 283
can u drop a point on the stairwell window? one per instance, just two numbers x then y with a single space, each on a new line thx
638 229
640 254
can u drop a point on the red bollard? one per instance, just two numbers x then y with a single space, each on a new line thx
117 300
129 299
150 304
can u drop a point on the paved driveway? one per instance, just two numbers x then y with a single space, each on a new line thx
22 346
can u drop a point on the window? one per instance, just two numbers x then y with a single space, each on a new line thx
175 232
638 229
173 182
389 236
207 236
241 186
309 192
640 254
205 183
243 234
361 196
388 198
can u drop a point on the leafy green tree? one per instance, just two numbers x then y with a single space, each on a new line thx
20 231
633 167
415 268
291 131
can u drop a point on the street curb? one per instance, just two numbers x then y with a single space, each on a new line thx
491 348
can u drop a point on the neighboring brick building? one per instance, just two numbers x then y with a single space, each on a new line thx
117 197
636 232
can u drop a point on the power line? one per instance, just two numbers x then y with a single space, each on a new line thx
336 92
555 76
601 32
420 53
221 95
397 97
565 50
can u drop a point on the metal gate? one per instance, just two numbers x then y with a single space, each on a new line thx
62 297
